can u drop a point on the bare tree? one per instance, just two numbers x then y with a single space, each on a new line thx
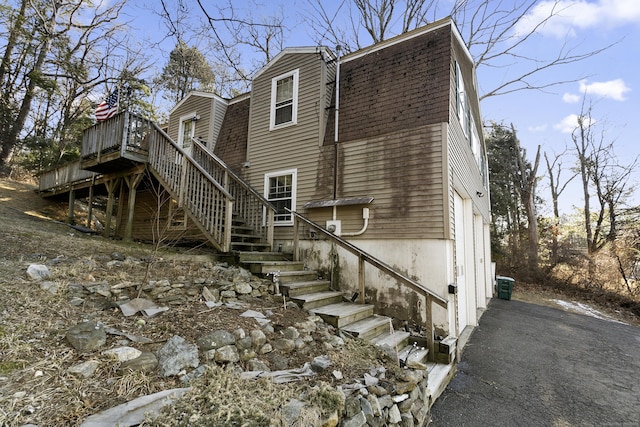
238 41
557 187
56 57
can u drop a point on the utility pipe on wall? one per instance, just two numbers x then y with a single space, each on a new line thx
365 216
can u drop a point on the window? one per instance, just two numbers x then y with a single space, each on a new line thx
187 130
284 100
462 108
280 190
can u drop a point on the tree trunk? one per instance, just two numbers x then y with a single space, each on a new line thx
11 138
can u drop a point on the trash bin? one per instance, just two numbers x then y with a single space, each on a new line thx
504 287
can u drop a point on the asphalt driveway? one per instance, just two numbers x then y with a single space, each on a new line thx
530 365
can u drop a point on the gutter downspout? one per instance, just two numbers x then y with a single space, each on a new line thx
335 136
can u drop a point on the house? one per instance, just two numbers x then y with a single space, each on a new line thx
370 168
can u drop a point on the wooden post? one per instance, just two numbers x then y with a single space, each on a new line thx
270 221
132 182
296 229
429 327
72 205
90 208
228 223
361 267
112 186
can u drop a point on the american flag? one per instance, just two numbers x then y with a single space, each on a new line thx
108 108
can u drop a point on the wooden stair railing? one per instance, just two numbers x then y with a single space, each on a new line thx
363 257
253 208
206 201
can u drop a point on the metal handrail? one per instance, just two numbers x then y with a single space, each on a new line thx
380 265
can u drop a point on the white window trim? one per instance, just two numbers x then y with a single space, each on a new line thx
294 112
182 119
294 190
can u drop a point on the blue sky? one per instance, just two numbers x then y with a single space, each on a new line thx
609 80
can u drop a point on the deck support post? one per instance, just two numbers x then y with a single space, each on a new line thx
112 186
90 207
132 182
72 206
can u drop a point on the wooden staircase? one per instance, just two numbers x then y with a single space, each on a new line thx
304 287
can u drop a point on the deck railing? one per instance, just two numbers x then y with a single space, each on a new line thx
250 206
364 257
125 132
64 176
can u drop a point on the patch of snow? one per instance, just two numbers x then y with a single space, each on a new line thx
580 308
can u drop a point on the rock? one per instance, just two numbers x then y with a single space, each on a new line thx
278 363
306 327
257 365
400 398
407 420
351 407
123 354
284 345
227 354
227 295
146 362
337 375
291 411
413 376
87 336
370 381
375 405
358 420
51 287
385 401
258 338
196 373
239 333
320 363
76 301
331 421
267 348
102 289
38 272
245 343
291 333
243 288
117 256
216 340
403 387
210 295
394 416
366 408
84 369
133 412
335 341
176 355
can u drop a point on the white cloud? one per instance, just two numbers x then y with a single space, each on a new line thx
571 98
565 17
570 123
539 128
614 89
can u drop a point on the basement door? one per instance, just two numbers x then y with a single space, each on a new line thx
461 306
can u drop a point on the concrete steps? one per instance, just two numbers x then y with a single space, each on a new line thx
358 320
317 299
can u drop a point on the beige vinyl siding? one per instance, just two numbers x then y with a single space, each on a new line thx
219 109
464 171
403 172
291 147
195 104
